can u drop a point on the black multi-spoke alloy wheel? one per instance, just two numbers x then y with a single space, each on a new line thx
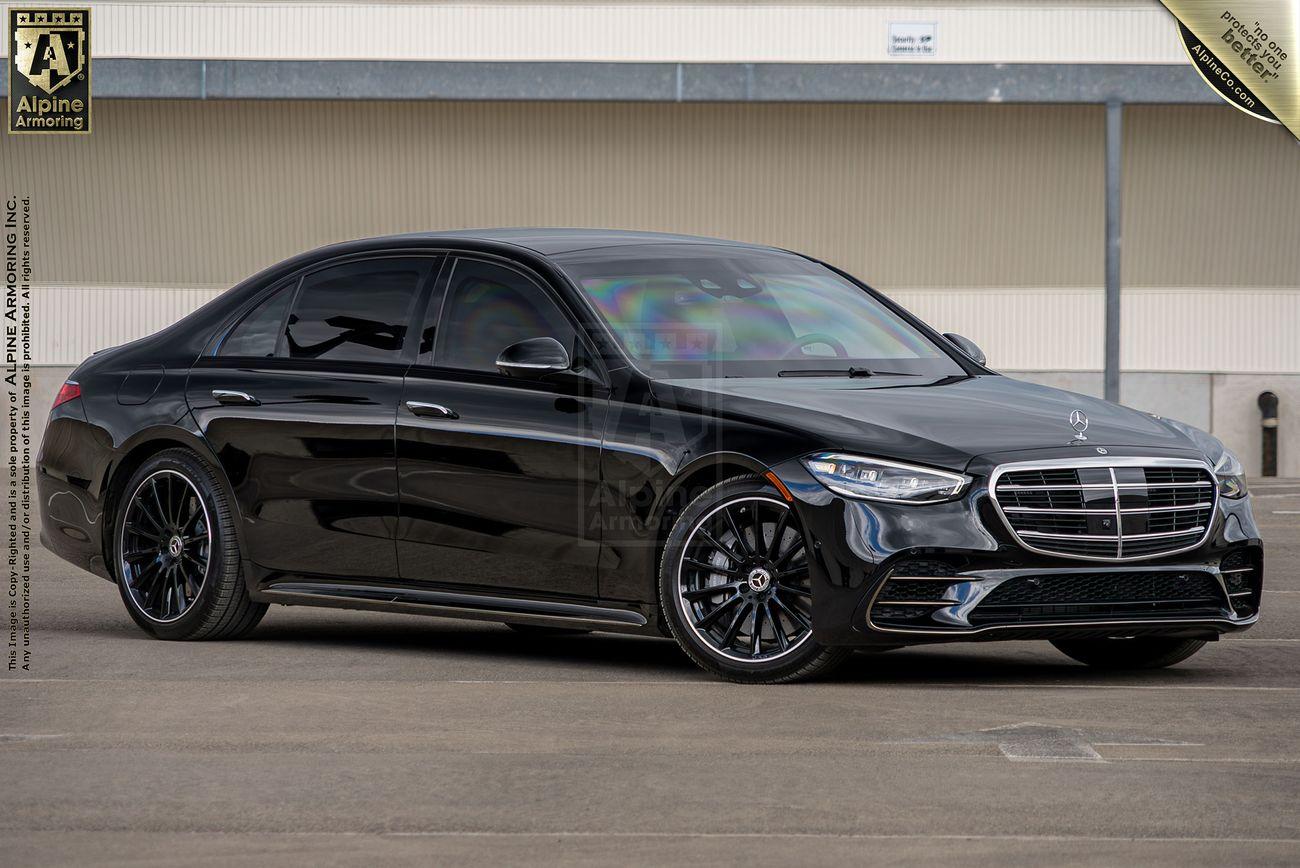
176 553
1137 652
734 586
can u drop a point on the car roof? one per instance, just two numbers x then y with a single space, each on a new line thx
547 242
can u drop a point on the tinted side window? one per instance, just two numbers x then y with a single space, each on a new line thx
259 331
356 312
489 307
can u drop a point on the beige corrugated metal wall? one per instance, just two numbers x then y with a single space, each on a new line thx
183 193
169 201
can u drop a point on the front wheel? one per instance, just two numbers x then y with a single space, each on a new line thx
735 589
1141 652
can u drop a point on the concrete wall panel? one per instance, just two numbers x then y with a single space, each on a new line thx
1236 418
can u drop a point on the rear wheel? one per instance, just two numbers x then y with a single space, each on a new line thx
176 554
735 589
1140 652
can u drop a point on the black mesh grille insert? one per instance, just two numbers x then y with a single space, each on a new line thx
1105 587
910 615
1077 596
922 567
1241 578
912 579
899 590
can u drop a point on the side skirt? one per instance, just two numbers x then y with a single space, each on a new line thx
453 604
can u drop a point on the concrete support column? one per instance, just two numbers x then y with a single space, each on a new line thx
1114 154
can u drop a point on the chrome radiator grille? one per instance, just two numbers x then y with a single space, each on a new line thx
1122 509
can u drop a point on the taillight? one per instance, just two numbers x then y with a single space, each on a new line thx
67 392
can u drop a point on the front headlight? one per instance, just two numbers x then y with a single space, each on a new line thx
874 479
1230 475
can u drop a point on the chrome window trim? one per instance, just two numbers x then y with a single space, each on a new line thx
1106 462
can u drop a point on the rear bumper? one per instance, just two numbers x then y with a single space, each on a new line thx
980 584
70 469
71 522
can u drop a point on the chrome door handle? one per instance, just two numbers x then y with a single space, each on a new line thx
230 396
435 411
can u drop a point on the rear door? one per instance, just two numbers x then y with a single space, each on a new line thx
502 491
298 403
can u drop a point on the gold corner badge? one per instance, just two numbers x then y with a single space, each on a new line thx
49 70
1246 50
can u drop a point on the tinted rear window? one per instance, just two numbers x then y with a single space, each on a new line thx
259 332
358 312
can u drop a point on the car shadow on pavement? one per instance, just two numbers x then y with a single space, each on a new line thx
490 643
602 656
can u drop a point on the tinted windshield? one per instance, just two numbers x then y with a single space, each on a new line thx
683 310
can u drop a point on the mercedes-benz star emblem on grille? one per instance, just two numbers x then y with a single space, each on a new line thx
1079 422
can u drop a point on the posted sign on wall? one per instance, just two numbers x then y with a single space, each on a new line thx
913 38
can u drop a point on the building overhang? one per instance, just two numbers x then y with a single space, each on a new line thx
163 78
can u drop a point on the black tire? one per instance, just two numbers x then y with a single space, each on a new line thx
220 606
767 549
1141 652
542 631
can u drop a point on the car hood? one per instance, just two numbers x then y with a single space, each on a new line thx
944 422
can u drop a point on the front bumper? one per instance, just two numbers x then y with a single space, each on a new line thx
976 582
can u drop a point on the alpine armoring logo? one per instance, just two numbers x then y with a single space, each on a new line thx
49 71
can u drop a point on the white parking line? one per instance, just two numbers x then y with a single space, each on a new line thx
856 836
995 686
656 834
1253 639
1206 759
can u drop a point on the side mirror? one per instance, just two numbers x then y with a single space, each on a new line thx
968 347
533 358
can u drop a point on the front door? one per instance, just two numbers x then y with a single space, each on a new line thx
499 476
298 404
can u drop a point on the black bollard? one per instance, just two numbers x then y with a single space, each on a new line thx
1268 428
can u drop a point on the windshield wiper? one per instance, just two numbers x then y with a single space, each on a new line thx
842 372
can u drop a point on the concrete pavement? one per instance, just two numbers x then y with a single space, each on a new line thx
339 738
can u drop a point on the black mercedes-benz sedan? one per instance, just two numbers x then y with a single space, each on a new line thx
739 447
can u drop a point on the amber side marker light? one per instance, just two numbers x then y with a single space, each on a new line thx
67 392
780 486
